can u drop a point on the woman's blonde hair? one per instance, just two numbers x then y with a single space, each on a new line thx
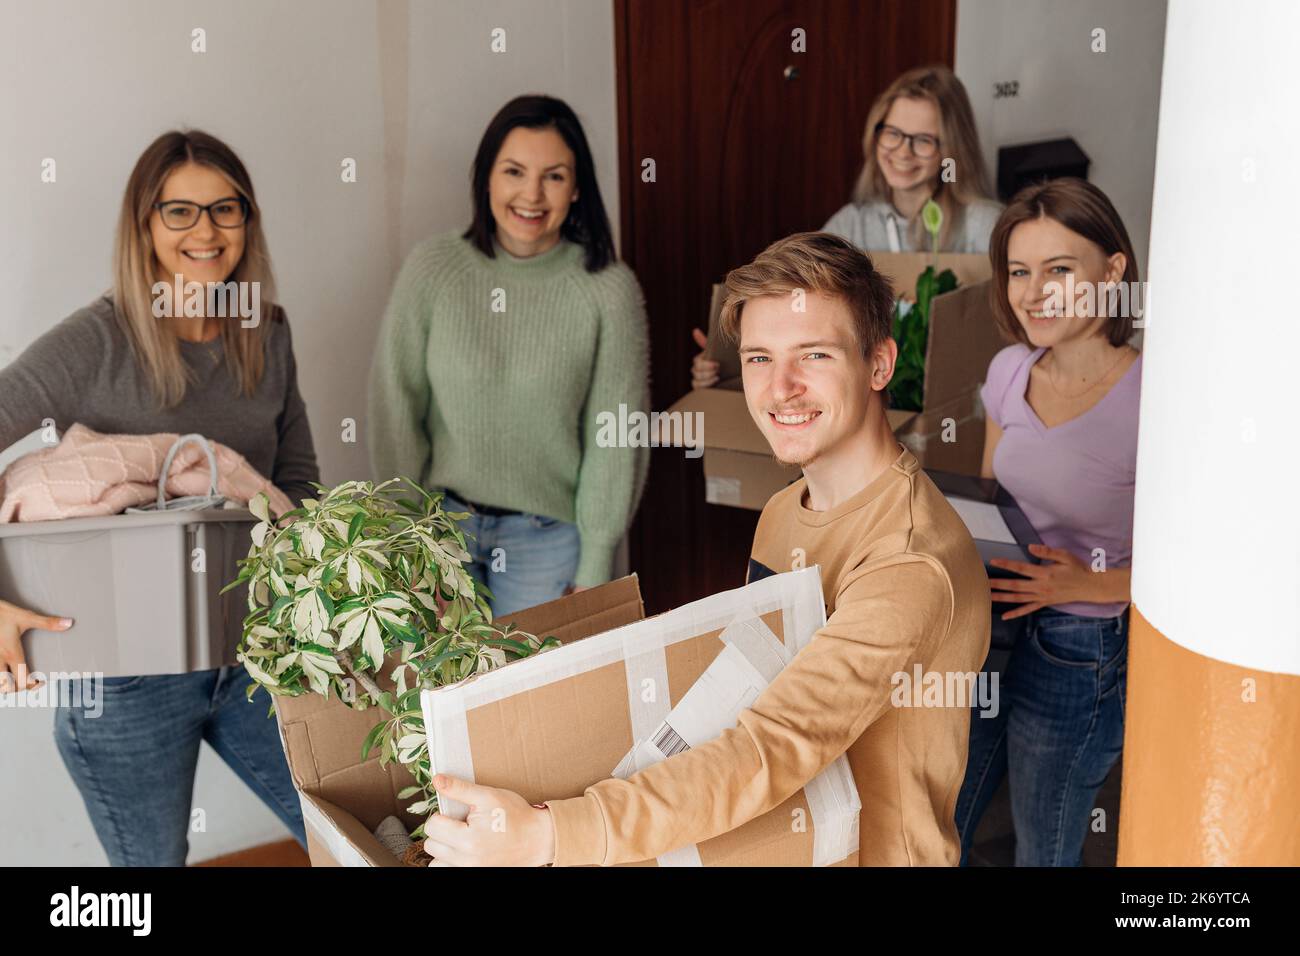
135 268
958 141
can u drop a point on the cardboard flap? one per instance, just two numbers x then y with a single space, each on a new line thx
318 735
585 613
719 348
903 268
342 835
963 340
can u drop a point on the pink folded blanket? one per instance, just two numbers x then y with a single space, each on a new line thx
89 474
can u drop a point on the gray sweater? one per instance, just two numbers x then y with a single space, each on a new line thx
84 370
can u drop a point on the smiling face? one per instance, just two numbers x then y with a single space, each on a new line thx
1042 251
532 185
807 384
203 252
901 167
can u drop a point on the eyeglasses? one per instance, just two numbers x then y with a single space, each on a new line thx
923 145
182 214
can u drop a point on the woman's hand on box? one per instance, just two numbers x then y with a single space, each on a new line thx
14 622
704 371
502 828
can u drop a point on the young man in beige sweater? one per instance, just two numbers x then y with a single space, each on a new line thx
903 582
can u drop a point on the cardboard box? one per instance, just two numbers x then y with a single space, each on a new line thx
739 468
550 726
947 433
344 797
582 722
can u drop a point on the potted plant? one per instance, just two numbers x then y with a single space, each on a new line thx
362 594
912 320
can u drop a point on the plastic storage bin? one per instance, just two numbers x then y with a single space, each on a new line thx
127 582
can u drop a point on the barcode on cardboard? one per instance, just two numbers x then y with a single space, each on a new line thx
669 742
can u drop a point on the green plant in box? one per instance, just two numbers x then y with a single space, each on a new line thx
354 580
911 325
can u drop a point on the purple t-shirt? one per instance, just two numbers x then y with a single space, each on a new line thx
1074 481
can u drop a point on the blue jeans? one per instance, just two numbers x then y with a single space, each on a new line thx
134 762
1057 734
524 559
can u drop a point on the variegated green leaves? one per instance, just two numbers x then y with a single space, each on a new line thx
359 580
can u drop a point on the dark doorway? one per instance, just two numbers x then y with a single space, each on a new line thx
750 140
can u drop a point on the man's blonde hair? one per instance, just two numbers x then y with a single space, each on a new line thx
815 262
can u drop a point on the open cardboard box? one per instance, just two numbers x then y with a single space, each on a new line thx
948 432
344 797
550 726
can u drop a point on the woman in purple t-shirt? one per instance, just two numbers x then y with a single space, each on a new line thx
1062 413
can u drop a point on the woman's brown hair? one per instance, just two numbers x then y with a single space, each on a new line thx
135 266
958 140
1082 208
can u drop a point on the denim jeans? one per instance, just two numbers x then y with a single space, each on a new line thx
1057 734
134 762
524 559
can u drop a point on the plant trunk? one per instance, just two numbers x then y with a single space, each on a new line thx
365 680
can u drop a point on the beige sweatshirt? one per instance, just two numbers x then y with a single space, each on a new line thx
904 586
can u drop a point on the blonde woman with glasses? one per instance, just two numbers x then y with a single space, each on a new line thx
189 216
920 143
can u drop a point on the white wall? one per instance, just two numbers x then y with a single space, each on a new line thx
1106 101
294 86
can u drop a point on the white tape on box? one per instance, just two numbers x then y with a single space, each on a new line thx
343 852
688 855
776 652
646 667
750 660
834 805
797 593
721 491
449 749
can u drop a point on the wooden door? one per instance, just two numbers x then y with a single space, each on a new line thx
751 139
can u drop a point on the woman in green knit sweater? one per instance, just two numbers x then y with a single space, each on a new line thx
500 348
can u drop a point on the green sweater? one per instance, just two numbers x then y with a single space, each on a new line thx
490 373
